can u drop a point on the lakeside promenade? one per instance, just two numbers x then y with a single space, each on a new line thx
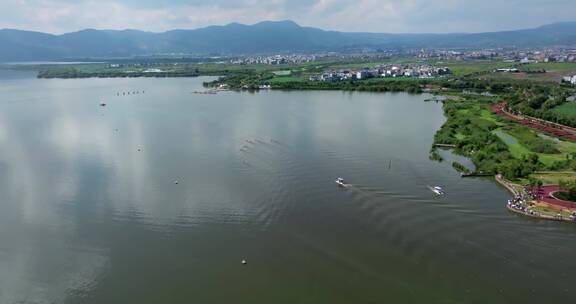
525 204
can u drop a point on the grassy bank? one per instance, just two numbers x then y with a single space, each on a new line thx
469 127
496 145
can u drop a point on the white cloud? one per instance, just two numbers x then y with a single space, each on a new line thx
59 16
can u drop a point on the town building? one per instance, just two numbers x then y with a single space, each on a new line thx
407 71
569 79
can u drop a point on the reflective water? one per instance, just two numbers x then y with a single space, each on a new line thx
90 211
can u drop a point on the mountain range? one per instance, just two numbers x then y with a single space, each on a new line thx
260 38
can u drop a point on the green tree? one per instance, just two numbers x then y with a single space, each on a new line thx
570 188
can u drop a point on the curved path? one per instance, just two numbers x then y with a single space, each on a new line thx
561 131
547 196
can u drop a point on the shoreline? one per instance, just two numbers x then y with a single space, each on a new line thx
510 187
538 216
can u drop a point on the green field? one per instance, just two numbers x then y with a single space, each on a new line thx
518 150
554 72
514 137
551 211
282 73
488 115
554 178
568 108
467 68
552 66
286 79
173 69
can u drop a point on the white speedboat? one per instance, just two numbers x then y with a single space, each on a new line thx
438 190
340 181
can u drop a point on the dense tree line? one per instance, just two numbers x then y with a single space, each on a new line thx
354 85
539 101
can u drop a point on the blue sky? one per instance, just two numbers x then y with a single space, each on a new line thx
58 16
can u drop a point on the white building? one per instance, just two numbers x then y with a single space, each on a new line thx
363 74
507 70
569 79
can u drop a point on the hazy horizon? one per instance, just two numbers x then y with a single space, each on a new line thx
263 21
379 16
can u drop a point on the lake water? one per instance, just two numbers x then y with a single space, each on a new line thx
90 211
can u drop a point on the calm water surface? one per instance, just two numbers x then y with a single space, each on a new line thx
90 211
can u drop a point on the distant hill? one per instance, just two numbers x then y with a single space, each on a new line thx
263 37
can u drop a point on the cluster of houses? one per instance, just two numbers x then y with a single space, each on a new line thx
418 71
569 79
441 54
553 55
275 59
509 55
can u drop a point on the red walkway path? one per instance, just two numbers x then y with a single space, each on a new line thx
534 123
546 197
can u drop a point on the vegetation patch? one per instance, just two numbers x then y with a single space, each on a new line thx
475 67
282 73
569 193
543 101
532 141
554 178
472 135
460 167
552 66
276 80
553 154
565 196
568 108
551 212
